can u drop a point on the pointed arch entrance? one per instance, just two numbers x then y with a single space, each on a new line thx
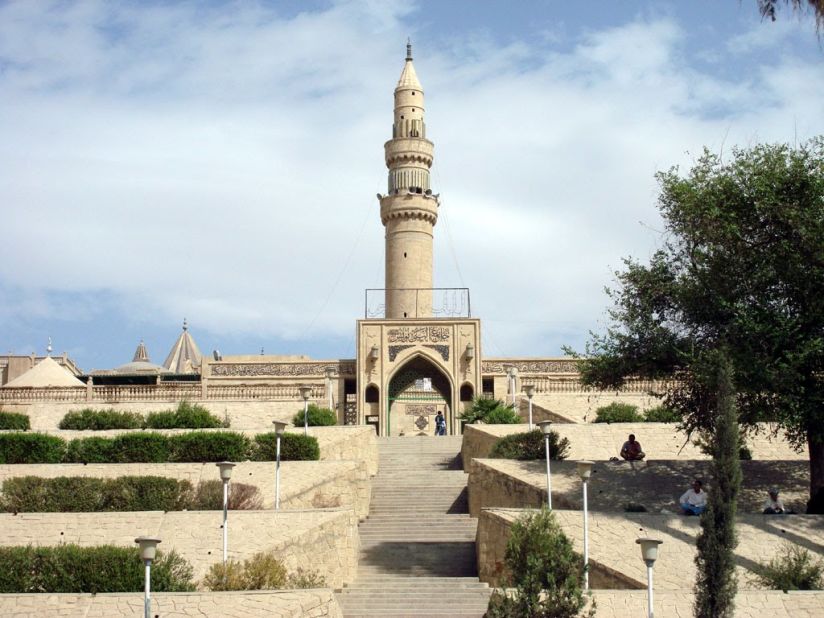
417 391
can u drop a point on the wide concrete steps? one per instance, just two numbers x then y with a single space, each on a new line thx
417 555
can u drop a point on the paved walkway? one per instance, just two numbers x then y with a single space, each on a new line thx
418 544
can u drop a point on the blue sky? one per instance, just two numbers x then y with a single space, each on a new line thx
219 161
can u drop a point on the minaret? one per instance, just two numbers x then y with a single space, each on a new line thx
409 211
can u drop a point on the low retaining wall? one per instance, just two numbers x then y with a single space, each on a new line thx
656 485
303 484
337 443
278 604
600 441
613 551
324 540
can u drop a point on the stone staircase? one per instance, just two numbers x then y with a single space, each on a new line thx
418 544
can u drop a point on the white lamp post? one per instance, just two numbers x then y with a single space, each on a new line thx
279 429
529 389
585 471
225 474
545 427
330 373
649 552
148 551
305 391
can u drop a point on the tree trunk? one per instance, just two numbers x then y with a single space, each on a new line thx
815 442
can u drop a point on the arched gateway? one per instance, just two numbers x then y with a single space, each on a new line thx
418 390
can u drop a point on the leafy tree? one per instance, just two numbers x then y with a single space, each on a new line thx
715 585
769 8
742 264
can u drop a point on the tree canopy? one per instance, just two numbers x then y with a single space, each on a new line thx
741 267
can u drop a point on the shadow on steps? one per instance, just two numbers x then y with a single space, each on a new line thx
420 559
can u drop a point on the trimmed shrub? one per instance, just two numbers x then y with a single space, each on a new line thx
316 417
105 568
98 420
143 447
618 413
242 497
30 494
12 420
31 448
530 445
209 446
502 416
263 571
185 416
293 447
544 569
482 408
90 450
793 568
661 414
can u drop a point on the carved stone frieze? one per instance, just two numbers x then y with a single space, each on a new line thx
421 409
394 350
418 334
289 370
443 350
531 366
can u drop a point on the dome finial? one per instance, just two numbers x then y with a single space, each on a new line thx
185 324
408 49
49 348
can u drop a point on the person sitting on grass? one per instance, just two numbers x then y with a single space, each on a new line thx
773 504
631 451
694 500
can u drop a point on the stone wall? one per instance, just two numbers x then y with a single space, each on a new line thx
600 441
324 540
656 485
303 484
612 546
318 603
256 415
337 443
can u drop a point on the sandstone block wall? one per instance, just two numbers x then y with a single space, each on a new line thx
324 540
318 603
337 443
303 484
612 544
656 485
600 441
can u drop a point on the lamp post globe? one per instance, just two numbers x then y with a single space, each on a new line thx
585 472
649 553
305 392
529 389
546 429
280 427
148 552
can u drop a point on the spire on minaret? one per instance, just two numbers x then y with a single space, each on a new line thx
185 324
49 348
408 49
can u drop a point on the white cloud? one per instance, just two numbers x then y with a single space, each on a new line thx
222 164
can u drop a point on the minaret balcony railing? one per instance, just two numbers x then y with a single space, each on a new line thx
428 302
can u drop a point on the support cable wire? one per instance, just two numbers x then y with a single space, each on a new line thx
369 213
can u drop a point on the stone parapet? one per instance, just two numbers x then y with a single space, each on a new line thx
323 540
304 484
337 443
600 441
319 603
655 485
612 543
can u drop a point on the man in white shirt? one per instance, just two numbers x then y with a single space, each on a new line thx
694 500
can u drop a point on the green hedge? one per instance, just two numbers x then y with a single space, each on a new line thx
76 494
661 414
153 447
316 417
12 420
503 415
185 416
105 568
89 418
293 447
31 448
618 413
530 445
